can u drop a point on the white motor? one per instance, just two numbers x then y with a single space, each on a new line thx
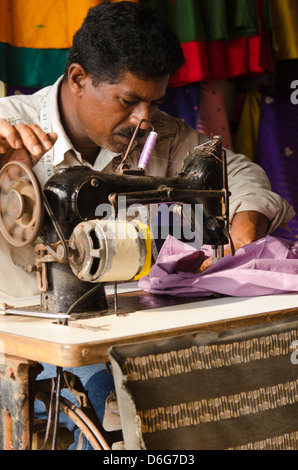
110 250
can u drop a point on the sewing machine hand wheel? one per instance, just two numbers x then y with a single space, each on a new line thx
21 207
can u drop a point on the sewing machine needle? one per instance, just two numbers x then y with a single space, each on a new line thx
115 298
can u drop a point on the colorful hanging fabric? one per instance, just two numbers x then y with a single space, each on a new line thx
217 60
2 89
202 106
212 118
43 25
35 38
210 20
248 130
285 28
184 102
221 39
277 151
28 67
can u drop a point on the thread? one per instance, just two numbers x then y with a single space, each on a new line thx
147 150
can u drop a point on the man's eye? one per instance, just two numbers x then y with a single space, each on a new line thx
127 102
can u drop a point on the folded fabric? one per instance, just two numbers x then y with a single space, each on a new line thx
267 266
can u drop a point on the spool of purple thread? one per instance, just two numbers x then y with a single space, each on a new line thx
147 150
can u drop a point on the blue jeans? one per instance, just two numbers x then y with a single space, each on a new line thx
96 381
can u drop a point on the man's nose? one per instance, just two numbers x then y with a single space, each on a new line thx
141 114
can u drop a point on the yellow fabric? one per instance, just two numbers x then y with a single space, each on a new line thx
145 230
2 89
48 24
285 28
247 134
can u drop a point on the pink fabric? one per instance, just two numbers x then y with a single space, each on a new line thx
212 118
267 266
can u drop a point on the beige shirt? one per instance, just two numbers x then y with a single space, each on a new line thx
248 183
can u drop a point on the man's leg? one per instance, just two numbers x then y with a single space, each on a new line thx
97 382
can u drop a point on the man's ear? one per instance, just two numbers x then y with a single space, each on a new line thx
77 76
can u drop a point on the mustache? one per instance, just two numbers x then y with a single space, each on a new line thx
128 132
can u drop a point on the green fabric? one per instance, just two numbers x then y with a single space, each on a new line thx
209 20
31 67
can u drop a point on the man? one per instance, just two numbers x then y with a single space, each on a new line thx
117 74
106 89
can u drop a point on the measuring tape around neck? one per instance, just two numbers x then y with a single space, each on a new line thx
48 158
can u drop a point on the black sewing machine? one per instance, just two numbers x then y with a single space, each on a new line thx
80 238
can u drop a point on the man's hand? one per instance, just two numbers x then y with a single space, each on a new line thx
25 143
246 228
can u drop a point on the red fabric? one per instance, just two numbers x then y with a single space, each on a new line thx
266 49
222 59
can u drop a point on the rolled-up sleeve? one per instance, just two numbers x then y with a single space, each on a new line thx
251 191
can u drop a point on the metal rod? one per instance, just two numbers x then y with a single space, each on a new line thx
133 139
29 313
166 194
58 230
57 407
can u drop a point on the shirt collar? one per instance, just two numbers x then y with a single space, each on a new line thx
63 143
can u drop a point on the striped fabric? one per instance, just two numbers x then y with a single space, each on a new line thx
235 389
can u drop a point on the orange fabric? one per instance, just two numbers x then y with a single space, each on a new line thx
43 25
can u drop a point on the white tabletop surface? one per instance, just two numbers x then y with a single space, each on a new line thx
111 326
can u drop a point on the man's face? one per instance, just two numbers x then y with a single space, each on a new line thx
109 113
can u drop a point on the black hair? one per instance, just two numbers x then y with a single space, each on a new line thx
125 37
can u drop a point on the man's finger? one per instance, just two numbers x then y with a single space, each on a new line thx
46 143
34 139
29 139
46 140
9 134
205 265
